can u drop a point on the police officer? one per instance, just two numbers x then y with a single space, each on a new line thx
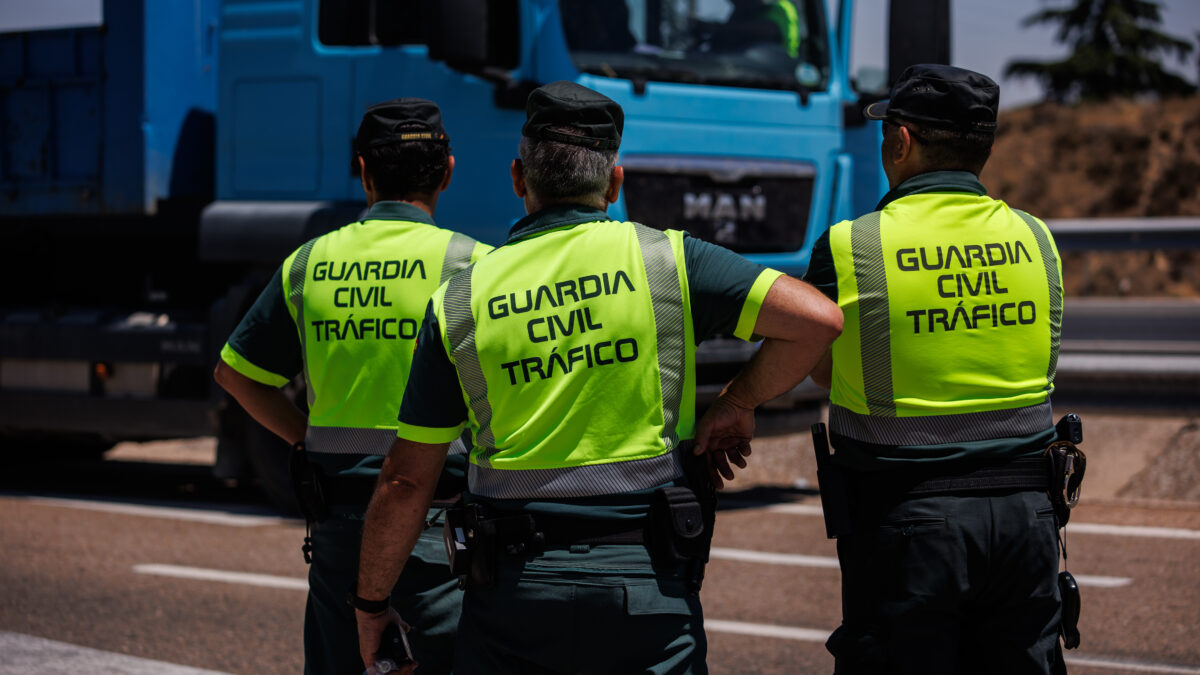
573 348
344 309
761 21
940 400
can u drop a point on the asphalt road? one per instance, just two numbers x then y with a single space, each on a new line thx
128 567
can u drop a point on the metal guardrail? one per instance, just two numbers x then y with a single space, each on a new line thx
1101 234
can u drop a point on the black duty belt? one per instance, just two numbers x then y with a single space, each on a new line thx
1026 473
564 531
547 530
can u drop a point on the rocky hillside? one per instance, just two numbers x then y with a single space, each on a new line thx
1120 159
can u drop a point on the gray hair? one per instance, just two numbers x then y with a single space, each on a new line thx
560 171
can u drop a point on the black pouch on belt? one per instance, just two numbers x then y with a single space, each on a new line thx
676 531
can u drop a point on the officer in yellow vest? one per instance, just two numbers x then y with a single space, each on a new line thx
345 309
766 21
940 400
573 348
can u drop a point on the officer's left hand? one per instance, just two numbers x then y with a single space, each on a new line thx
719 460
724 434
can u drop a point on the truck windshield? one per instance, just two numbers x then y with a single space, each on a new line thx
763 44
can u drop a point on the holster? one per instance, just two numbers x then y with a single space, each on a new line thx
309 484
474 542
831 480
678 522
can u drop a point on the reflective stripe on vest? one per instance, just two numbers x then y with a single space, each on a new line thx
939 429
377 438
902 407
876 332
1052 281
296 275
458 255
666 298
349 441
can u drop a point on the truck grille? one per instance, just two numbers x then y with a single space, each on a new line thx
749 206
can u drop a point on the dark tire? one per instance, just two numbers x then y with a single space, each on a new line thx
55 447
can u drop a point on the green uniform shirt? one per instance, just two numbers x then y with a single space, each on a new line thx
824 274
725 294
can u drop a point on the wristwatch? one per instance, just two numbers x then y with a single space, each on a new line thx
368 606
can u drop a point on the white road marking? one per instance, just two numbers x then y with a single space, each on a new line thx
797 509
265 580
742 555
1132 531
1073 528
766 630
1131 666
827 562
174 513
23 654
819 635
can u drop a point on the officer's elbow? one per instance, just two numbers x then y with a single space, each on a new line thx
229 379
826 324
221 375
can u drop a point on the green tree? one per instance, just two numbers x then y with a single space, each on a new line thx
1115 51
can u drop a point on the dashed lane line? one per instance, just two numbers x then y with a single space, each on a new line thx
22 654
265 580
713 625
743 555
767 630
1073 528
170 512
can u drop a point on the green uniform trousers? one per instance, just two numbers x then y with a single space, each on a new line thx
583 609
426 596
949 584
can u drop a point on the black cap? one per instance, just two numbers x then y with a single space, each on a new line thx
943 97
562 103
400 120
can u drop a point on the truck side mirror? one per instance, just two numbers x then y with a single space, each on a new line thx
474 35
918 32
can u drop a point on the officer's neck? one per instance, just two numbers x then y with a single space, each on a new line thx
427 203
533 203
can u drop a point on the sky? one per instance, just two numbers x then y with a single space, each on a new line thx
987 34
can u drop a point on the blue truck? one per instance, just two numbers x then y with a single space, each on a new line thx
155 168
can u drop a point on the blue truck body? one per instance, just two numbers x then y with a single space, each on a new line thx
156 168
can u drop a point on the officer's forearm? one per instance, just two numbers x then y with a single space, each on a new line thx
396 514
822 375
798 324
269 406
777 367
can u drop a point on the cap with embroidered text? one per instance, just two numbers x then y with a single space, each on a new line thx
400 120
